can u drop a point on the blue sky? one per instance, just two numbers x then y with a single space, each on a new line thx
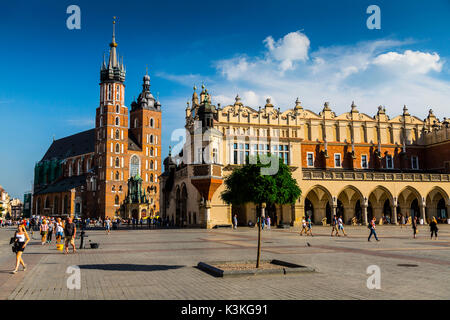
315 50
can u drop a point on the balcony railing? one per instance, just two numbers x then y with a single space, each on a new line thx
374 176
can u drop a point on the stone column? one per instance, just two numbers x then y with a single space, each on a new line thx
364 211
208 214
333 211
394 211
422 214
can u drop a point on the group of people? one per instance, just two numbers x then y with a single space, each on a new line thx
48 227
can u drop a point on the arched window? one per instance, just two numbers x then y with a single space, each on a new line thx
151 138
152 123
120 188
117 148
151 177
117 162
151 164
117 109
135 164
113 188
117 121
116 199
151 152
117 175
117 134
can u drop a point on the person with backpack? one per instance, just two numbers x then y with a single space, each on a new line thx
371 226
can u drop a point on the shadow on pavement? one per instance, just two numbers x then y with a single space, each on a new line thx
128 267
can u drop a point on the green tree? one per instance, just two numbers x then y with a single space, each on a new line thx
247 184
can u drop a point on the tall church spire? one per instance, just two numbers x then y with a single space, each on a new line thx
115 70
112 51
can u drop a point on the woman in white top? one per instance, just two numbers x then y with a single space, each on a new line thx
21 239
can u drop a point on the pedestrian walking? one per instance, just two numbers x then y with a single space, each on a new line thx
70 231
309 225
341 226
371 226
235 221
50 232
44 230
334 227
108 225
304 228
414 226
268 221
20 241
433 228
263 222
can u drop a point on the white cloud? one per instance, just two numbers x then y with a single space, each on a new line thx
292 47
410 61
371 73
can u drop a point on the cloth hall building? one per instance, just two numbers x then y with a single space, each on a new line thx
111 170
353 164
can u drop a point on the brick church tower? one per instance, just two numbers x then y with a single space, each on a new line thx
126 151
111 133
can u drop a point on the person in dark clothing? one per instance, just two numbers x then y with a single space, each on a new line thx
70 231
433 228
414 226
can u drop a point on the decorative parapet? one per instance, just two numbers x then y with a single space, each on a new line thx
373 176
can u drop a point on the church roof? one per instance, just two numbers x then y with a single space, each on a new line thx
65 184
71 146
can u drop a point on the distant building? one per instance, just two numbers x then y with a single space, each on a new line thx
16 208
87 174
27 201
5 204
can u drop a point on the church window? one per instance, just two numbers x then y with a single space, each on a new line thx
117 134
151 123
116 200
118 92
113 188
135 164
117 175
120 188
117 109
151 177
151 152
117 162
151 138
151 164
109 92
117 148
117 121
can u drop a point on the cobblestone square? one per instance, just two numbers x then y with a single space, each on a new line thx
160 264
